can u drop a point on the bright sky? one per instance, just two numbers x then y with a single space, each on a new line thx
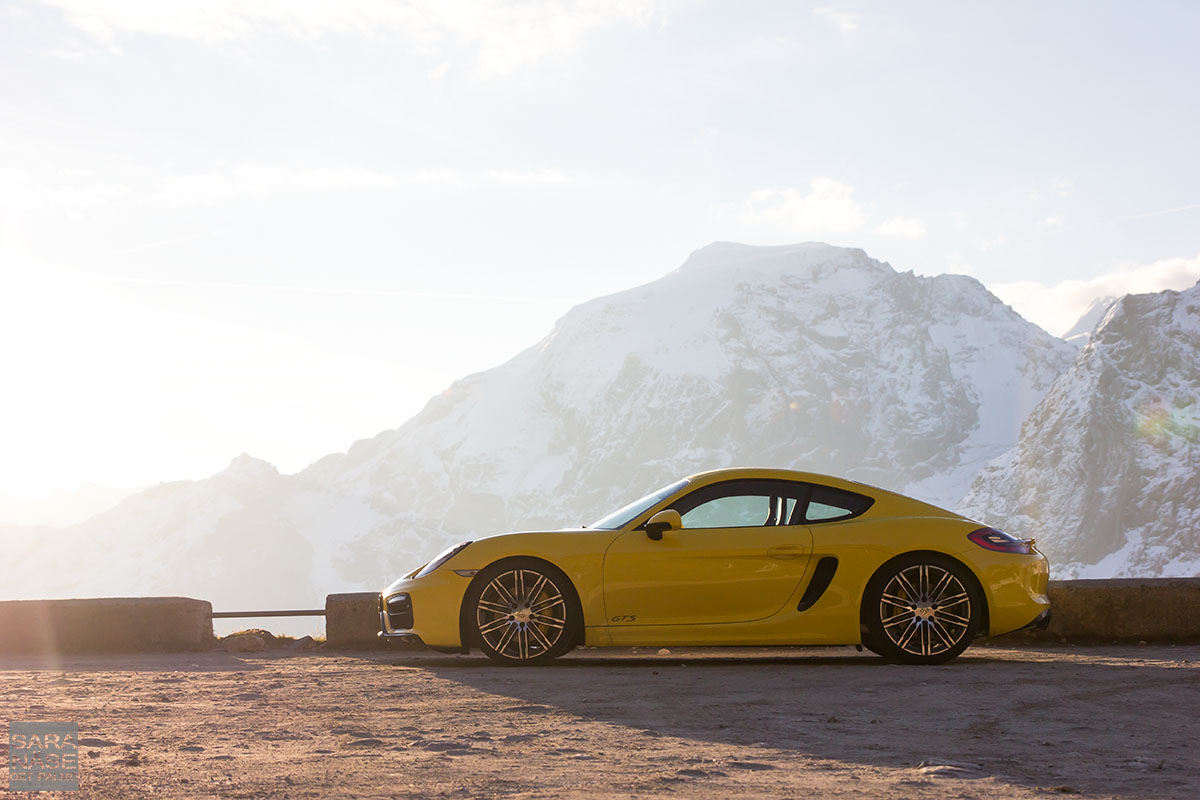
278 226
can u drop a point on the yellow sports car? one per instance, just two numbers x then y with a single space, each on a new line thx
731 557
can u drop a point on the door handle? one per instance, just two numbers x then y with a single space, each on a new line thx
786 551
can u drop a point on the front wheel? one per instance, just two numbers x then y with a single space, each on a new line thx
522 612
922 609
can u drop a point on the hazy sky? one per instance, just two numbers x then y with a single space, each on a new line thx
278 226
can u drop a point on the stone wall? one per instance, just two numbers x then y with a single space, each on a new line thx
106 624
1121 610
352 621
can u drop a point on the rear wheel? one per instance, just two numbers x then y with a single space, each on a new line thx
922 608
523 611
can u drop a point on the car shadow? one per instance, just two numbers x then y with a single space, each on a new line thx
1116 721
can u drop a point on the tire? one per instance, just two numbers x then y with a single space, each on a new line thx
869 643
522 611
922 608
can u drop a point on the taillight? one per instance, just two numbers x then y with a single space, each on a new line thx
1000 542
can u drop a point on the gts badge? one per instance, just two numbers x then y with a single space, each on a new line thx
624 618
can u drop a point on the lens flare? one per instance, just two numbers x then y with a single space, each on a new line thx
1159 423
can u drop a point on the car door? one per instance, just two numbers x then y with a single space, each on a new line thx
731 562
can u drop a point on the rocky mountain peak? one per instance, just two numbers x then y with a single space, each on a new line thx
1106 472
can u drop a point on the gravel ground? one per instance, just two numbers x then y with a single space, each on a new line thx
999 722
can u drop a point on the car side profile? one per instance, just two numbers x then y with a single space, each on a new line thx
743 557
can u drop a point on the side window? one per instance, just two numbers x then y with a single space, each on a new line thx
735 511
827 505
743 503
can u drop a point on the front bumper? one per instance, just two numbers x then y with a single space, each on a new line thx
395 613
396 619
402 638
423 609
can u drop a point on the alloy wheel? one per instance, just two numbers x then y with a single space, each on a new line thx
925 610
521 614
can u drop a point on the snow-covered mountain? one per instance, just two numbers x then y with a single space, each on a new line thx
1107 470
224 538
805 356
62 507
1081 332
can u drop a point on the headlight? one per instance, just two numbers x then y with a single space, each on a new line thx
442 558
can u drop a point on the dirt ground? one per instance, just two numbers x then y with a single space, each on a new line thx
999 722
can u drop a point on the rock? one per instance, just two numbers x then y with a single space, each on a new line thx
244 643
664 652
267 637
941 768
304 643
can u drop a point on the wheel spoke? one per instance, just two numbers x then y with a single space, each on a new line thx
545 603
892 622
494 625
497 608
914 627
540 637
954 619
954 600
940 588
944 634
502 590
896 600
913 595
536 590
505 639
547 621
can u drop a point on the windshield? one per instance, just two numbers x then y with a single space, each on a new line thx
622 516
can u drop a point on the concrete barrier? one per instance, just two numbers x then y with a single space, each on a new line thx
105 624
352 621
1117 610
1121 610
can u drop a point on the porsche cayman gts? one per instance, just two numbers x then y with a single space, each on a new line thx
731 557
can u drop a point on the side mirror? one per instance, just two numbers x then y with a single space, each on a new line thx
666 520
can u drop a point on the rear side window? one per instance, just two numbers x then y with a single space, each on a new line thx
827 504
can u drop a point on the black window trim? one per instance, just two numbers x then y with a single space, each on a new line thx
865 501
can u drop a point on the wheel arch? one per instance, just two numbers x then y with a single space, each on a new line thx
877 575
466 631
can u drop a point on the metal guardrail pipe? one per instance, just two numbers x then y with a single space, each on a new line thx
312 612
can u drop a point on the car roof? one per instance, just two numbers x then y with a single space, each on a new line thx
734 473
